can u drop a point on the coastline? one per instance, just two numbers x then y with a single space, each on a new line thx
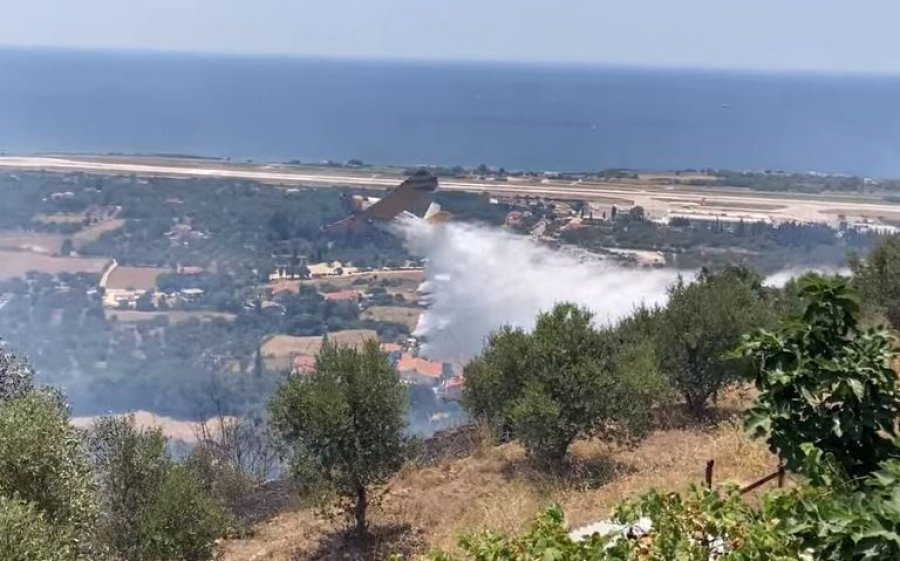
660 200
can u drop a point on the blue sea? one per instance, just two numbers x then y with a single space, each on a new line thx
519 117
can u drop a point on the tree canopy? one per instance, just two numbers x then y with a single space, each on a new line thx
345 421
699 327
826 384
566 379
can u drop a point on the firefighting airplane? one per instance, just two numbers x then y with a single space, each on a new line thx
411 200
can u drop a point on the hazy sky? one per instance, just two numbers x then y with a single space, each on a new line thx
821 35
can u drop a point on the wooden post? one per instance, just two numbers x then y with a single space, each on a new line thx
709 473
781 476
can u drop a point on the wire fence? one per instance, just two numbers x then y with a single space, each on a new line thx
777 475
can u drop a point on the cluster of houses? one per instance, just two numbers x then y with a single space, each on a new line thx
444 378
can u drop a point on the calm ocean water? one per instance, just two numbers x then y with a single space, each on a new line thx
278 109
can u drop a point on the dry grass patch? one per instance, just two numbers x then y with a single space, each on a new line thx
18 263
184 431
286 345
279 350
497 488
61 218
93 233
395 314
412 277
32 241
174 316
137 278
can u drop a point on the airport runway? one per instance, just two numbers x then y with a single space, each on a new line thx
659 201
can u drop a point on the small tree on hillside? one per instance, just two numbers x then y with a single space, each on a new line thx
496 378
702 323
152 507
563 381
43 464
825 384
878 279
347 420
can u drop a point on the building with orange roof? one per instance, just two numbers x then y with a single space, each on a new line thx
418 370
284 285
342 296
190 270
393 350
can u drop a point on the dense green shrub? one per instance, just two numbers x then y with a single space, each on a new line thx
181 521
43 463
826 384
26 536
16 378
152 508
564 380
702 322
877 278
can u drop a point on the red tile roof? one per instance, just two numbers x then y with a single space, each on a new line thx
285 285
342 296
190 270
425 367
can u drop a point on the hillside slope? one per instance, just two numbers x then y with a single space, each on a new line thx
425 508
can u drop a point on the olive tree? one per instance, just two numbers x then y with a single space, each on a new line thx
564 380
153 509
43 463
347 420
877 278
700 327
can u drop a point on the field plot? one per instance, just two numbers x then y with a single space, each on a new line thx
394 314
137 278
352 337
185 431
93 233
346 281
279 350
174 316
17 263
61 218
32 241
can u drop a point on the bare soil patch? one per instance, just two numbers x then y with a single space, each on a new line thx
17 263
174 316
35 242
185 431
395 314
93 233
138 278
497 488
60 218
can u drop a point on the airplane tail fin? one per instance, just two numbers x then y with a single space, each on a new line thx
434 214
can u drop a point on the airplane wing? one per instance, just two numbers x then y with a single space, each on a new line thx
414 195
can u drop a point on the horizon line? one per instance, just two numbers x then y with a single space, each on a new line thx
442 61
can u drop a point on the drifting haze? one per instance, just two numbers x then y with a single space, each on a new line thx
479 279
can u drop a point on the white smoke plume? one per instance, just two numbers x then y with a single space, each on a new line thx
781 278
479 279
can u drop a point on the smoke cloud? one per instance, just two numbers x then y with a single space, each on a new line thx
479 278
781 278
